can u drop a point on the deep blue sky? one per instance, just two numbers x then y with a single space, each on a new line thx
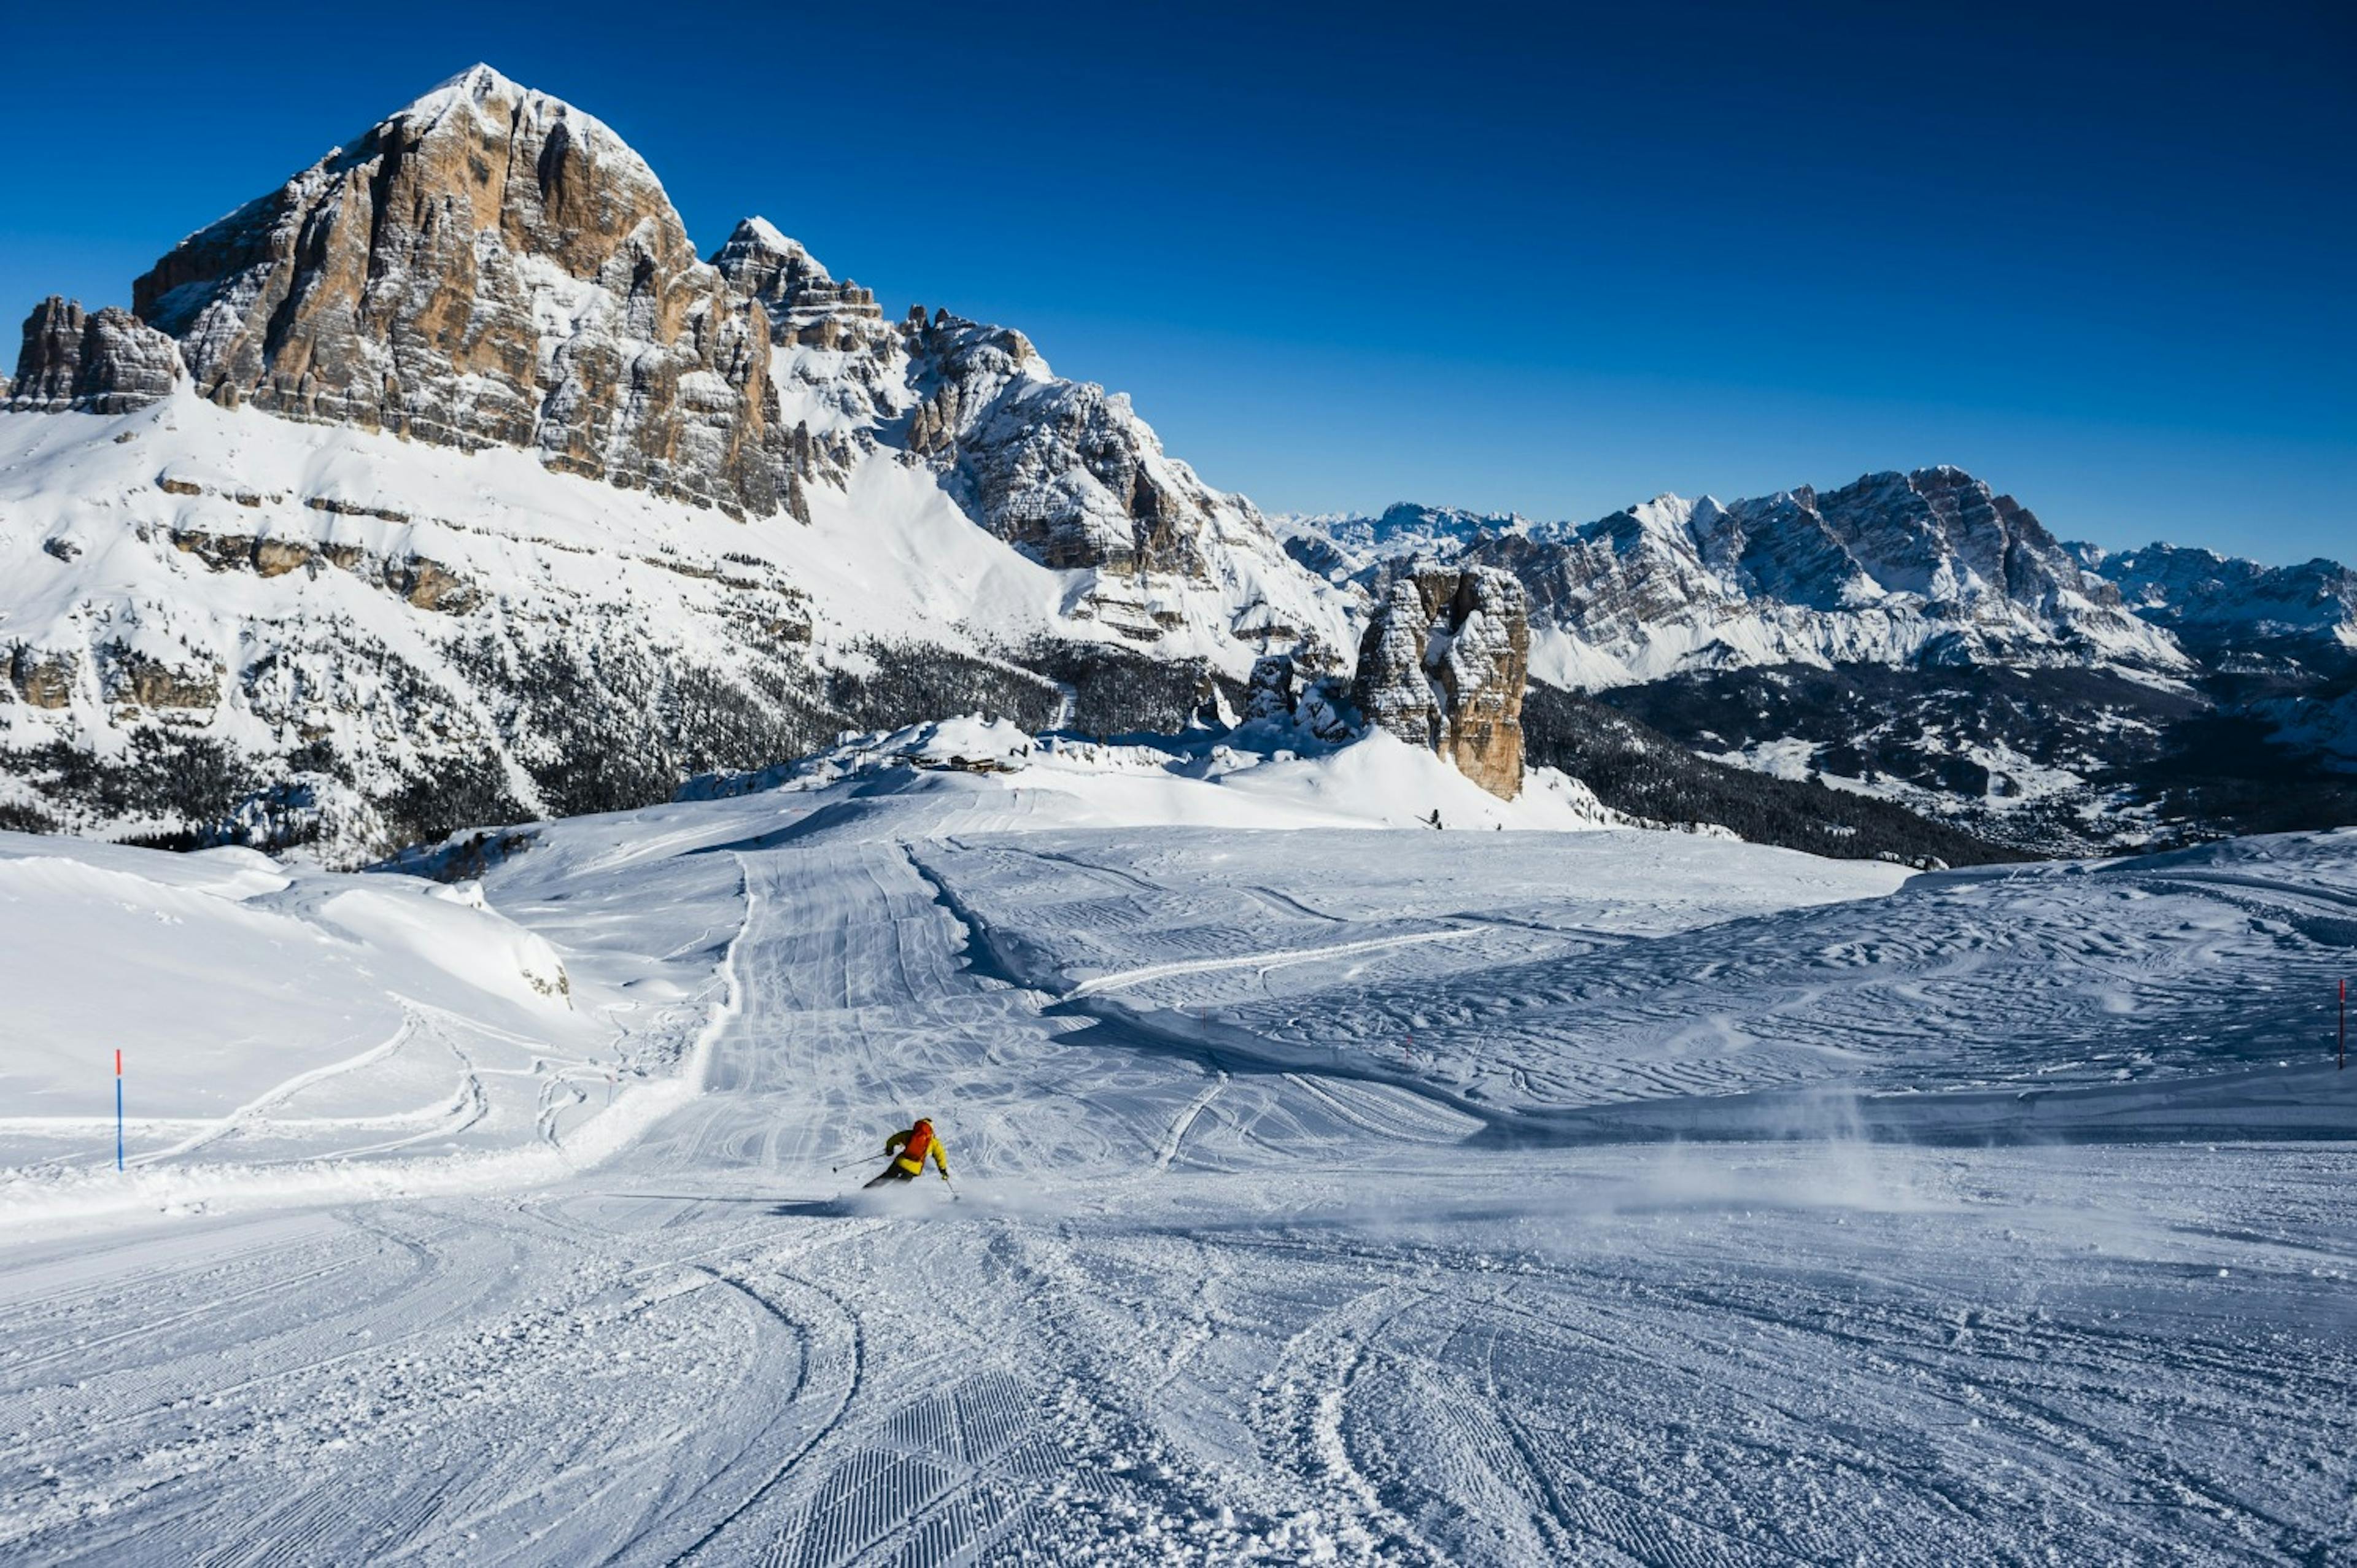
1550 259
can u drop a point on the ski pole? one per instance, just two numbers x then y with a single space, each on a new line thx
870 1160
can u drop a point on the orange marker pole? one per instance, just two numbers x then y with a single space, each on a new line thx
118 1108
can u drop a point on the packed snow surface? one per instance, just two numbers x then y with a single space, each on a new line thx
1346 1193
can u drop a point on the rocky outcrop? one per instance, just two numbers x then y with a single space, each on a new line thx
1443 663
428 584
487 265
1063 470
103 363
128 675
1269 693
43 677
807 307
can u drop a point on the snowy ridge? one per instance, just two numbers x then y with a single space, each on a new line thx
1338 546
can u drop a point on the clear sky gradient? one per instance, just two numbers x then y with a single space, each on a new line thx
1547 259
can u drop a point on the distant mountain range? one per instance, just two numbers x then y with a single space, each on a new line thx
1923 637
447 483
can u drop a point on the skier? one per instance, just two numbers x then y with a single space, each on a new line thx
909 1148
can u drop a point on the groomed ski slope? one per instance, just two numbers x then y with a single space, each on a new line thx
1328 1194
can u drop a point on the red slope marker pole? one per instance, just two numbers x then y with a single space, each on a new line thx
118 1108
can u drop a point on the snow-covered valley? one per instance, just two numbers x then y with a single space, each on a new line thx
1328 1187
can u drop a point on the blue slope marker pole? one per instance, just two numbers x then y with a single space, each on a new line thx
118 1108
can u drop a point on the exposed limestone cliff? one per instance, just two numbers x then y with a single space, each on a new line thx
1443 663
487 265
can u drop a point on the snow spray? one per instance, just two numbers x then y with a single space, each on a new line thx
118 1108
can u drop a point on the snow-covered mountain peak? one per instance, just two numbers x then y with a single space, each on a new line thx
487 267
1672 514
648 512
477 88
490 98
761 260
760 230
758 238
476 84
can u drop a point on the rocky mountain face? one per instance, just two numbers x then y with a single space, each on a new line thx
448 483
1067 473
488 266
1924 637
1442 664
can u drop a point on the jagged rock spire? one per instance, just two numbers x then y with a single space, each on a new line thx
1443 663
106 362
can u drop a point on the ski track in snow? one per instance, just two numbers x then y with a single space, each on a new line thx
1301 1249
1259 962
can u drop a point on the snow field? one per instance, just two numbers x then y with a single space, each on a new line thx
1212 1293
299 1033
